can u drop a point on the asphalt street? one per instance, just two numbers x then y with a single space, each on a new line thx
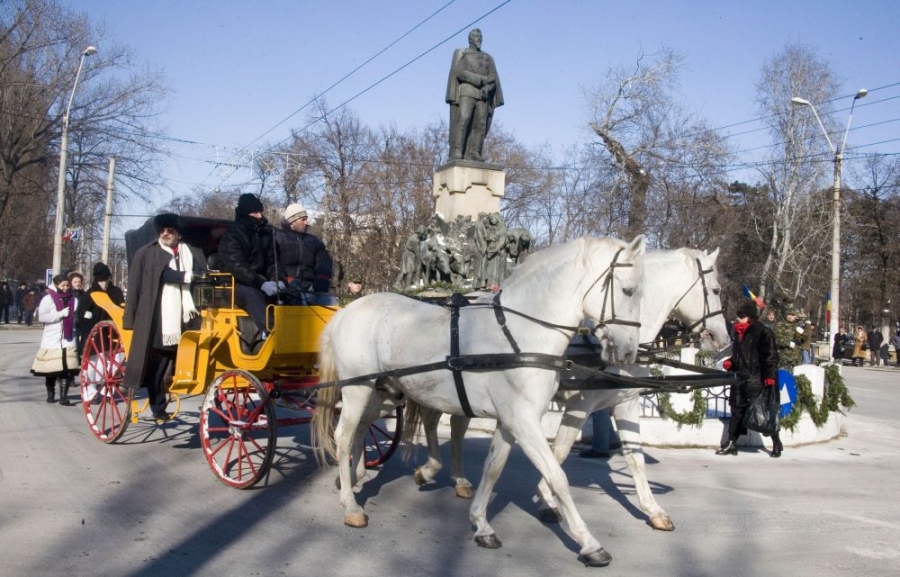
149 505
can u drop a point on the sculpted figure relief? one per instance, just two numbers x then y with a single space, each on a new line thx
473 92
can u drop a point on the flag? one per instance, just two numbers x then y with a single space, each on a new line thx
749 294
828 308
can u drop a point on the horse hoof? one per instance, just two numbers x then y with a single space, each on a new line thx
662 523
598 558
488 541
549 516
465 492
358 520
419 477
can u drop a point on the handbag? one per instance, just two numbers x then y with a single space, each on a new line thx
763 414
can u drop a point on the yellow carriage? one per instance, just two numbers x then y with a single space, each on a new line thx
250 386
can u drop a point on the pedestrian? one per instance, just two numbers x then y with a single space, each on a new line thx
247 251
860 346
56 358
304 260
754 357
895 340
788 337
839 348
20 298
770 320
30 303
159 304
874 339
806 343
76 284
89 312
6 301
603 432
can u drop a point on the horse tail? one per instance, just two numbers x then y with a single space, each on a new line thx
412 420
322 427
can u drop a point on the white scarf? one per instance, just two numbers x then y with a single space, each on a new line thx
176 304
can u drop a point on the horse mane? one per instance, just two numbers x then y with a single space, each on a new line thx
550 260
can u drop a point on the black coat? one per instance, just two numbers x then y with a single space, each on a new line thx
89 313
148 271
304 258
247 251
755 359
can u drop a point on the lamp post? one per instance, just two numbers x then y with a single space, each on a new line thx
835 290
61 183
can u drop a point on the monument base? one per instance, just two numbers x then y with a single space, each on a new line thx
466 188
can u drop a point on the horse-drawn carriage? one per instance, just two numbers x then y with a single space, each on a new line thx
250 386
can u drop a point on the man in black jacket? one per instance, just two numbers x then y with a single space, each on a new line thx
247 251
754 357
304 259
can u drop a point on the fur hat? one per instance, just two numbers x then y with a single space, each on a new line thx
248 203
747 309
101 272
166 220
293 212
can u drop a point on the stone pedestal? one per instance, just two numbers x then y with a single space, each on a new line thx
466 188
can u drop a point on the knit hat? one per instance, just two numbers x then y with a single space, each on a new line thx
747 309
293 212
167 220
248 203
101 272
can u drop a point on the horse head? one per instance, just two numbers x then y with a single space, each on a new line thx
612 301
701 307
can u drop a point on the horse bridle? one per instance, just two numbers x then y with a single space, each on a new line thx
707 313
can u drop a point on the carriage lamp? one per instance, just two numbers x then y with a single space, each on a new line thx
834 323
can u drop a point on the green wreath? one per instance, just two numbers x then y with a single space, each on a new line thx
836 396
693 417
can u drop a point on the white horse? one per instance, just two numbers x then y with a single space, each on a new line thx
595 279
684 282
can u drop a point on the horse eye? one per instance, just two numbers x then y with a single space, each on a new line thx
628 291
716 291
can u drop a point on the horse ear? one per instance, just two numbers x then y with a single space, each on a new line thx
639 244
714 254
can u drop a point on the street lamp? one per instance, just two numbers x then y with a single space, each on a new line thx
61 183
836 208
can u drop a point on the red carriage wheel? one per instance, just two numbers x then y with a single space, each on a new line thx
382 438
106 403
238 429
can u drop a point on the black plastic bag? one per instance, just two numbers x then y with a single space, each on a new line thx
763 413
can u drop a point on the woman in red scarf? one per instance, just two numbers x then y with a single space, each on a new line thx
754 357
56 359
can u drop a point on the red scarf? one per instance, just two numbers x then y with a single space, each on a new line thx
740 329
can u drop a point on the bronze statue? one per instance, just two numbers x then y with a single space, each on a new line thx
473 92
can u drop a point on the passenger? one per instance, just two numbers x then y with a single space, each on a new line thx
247 251
76 285
305 260
159 304
89 313
56 358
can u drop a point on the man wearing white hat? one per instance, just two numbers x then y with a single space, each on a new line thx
304 258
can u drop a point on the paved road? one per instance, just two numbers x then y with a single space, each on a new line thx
149 506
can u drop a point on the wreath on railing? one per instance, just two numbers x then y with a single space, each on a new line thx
693 417
836 397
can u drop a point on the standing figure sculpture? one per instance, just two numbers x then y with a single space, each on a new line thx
473 92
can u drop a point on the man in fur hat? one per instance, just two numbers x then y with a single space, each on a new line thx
247 251
159 304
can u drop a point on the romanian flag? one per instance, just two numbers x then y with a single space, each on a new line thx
749 294
828 307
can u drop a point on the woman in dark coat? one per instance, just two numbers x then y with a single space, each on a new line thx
754 357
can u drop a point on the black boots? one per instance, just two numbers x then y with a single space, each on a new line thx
64 392
729 449
777 448
51 391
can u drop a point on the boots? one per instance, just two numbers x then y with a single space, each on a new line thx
777 447
51 391
64 391
729 449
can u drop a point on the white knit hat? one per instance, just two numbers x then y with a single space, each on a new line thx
294 211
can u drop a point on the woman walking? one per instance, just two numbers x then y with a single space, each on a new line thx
860 345
56 358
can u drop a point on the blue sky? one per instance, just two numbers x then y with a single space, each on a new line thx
238 68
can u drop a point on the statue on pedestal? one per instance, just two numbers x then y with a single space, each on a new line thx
473 92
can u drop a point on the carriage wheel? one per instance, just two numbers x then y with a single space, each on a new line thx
383 437
237 429
106 403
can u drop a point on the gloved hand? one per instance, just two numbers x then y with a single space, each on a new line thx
799 331
88 315
64 313
281 286
187 277
270 288
793 344
726 364
769 382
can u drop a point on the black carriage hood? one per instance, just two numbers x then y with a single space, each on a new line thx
197 231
